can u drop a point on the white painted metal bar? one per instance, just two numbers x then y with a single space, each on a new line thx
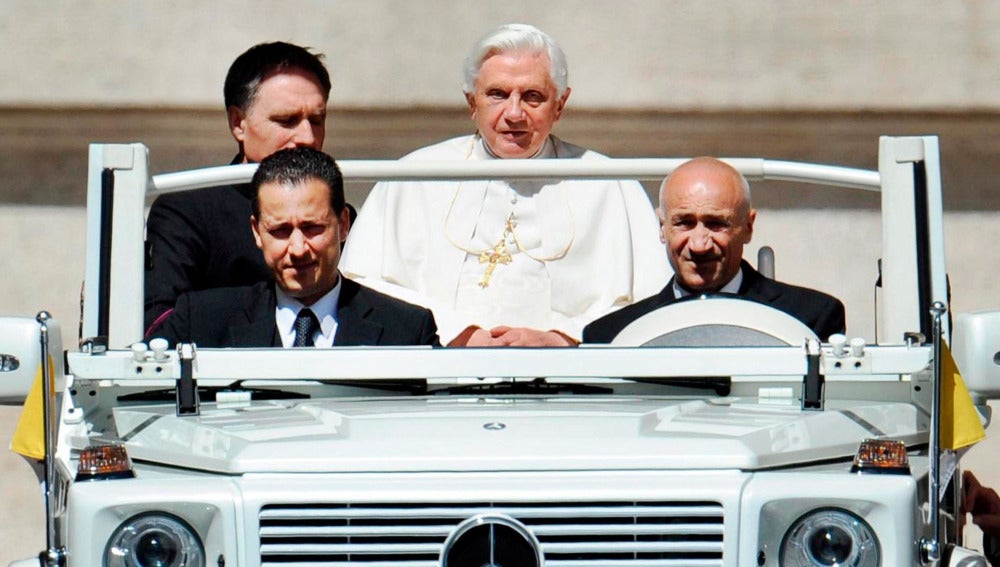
379 363
901 309
635 168
821 175
375 363
200 178
130 164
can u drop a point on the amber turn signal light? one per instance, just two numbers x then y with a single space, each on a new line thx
104 462
881 456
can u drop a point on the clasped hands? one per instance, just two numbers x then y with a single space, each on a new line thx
517 337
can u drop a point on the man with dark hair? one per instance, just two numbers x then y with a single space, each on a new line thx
706 218
276 96
294 168
253 66
299 220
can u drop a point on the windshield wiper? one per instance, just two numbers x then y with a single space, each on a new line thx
209 393
722 385
538 386
417 388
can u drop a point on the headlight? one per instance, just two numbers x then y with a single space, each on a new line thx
154 540
829 538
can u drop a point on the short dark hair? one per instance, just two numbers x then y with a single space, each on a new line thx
254 65
293 166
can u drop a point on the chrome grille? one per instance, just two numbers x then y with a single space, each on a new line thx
594 534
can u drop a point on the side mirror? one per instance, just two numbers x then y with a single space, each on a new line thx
21 356
976 347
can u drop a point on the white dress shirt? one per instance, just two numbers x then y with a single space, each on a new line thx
325 309
732 287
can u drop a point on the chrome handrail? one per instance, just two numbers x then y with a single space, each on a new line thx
930 547
54 555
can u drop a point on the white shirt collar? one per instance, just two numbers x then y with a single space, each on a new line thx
732 287
325 308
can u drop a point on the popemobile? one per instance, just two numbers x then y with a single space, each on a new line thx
712 432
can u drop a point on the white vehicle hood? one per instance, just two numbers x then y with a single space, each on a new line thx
507 433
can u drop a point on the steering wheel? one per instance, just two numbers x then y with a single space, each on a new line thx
715 320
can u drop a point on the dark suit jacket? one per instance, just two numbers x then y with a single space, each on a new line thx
824 314
199 240
244 317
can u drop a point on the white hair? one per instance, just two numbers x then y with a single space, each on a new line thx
511 38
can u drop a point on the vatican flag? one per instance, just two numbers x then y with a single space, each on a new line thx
29 435
960 424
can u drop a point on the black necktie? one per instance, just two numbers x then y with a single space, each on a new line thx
305 325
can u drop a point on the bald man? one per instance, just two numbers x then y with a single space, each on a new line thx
706 218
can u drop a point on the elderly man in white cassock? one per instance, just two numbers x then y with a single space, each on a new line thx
519 263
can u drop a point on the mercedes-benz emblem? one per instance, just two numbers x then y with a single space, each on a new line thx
491 541
494 426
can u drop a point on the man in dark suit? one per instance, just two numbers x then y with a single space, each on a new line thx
299 218
275 96
705 220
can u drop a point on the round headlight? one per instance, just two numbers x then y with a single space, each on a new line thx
154 540
829 538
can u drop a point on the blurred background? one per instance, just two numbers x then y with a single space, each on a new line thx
756 78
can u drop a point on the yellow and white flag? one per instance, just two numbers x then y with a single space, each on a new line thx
960 424
29 435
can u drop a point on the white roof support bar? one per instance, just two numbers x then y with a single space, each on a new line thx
116 197
642 168
911 189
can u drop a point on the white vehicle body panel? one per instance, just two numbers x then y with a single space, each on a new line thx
593 433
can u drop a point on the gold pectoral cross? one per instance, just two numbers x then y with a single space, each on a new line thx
493 257
498 255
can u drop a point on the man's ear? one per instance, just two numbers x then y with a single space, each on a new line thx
562 103
751 216
470 99
663 225
344 223
237 123
256 232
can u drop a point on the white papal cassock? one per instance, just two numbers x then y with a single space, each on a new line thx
577 249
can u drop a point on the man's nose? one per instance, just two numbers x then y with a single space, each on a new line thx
305 134
513 109
297 243
701 241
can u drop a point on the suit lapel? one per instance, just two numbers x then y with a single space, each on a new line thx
255 326
757 287
353 326
667 293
